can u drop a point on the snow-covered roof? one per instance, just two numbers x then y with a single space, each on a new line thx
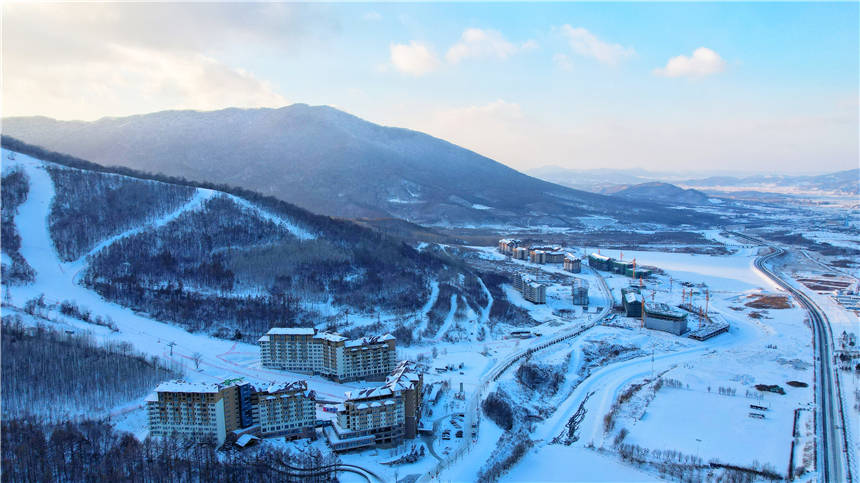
188 387
245 439
291 331
600 257
284 386
631 297
570 256
665 310
580 283
330 336
375 339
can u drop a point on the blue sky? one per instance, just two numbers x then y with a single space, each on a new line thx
664 86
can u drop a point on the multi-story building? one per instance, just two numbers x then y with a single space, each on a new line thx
521 253
572 263
285 409
534 292
307 351
380 416
507 245
537 256
201 411
197 411
579 291
555 256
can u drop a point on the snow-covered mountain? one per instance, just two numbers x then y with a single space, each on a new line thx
331 162
227 262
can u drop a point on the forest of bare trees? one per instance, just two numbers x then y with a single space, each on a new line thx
92 451
90 207
60 376
14 192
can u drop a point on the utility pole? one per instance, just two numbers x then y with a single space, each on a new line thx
171 348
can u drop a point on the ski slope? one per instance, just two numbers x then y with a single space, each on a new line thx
220 359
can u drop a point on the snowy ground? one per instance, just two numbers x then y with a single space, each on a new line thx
770 350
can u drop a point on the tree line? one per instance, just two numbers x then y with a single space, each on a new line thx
92 451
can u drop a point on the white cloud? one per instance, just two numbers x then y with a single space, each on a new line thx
133 80
414 58
703 62
372 16
479 43
85 61
563 62
587 44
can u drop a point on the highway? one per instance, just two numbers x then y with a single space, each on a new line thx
832 457
500 367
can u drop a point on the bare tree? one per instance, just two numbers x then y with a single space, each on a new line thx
196 358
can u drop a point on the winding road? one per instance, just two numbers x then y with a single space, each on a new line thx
500 367
832 457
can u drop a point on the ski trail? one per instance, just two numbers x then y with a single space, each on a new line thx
200 196
485 312
289 225
449 319
434 295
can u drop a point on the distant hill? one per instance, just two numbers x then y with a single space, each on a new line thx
331 162
847 182
662 192
593 180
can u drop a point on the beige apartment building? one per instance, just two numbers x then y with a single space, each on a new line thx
285 409
308 351
202 411
196 411
380 416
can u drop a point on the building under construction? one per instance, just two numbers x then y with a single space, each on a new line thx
631 300
579 291
621 267
659 316
599 262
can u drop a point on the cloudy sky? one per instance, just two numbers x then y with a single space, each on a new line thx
757 87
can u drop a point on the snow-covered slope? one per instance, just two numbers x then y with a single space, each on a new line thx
218 262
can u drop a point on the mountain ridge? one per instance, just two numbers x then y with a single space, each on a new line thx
334 163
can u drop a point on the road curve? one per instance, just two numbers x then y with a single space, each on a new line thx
832 455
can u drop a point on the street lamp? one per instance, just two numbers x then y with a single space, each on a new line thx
697 449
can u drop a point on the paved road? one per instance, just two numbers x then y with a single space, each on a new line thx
832 456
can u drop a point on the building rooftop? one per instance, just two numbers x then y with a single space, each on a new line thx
330 336
370 340
188 387
284 386
598 256
291 331
664 310
404 377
